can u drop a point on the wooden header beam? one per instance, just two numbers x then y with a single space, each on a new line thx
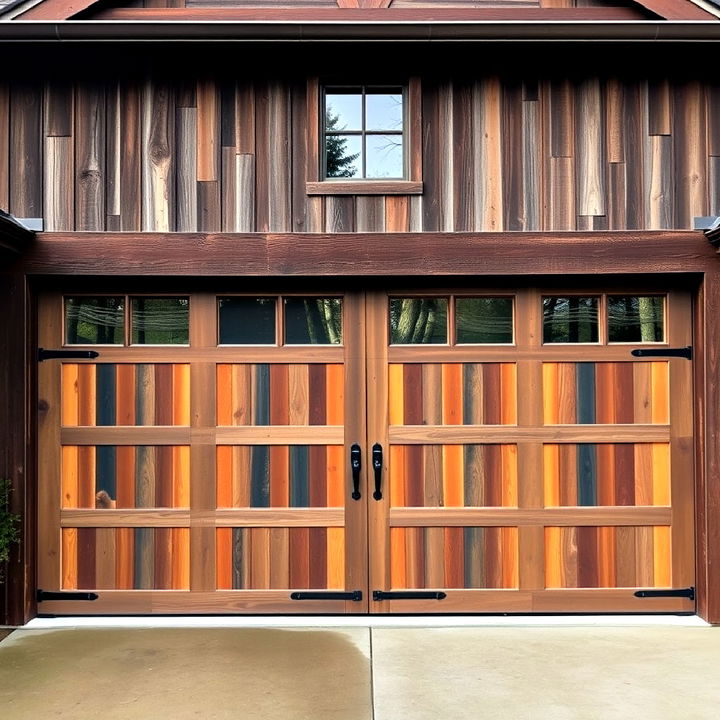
368 254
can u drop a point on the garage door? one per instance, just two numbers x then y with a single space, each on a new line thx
464 451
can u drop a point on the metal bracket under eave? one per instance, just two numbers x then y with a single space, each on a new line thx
42 595
66 354
681 593
684 352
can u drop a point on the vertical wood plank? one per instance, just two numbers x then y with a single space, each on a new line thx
208 130
462 148
186 172
130 158
90 157
113 153
488 181
59 201
4 145
157 166
590 150
279 168
26 156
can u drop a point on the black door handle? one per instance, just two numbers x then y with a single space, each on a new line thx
377 462
356 466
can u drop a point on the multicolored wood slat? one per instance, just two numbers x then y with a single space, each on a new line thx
280 394
126 558
587 393
453 394
608 557
453 476
126 476
606 474
278 558
280 476
125 394
454 557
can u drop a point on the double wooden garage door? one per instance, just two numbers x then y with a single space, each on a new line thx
430 452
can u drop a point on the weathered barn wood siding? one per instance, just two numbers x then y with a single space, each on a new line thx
499 154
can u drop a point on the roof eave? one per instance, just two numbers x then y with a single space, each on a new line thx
175 30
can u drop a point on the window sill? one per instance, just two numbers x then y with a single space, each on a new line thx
364 187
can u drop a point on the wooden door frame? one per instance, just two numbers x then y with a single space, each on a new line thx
670 256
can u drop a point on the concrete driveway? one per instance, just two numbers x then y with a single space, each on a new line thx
363 672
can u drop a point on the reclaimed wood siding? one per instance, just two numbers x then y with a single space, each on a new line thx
499 154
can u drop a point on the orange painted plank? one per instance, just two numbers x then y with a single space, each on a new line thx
606 474
605 393
454 557
181 394
69 476
662 556
398 558
395 394
550 393
181 470
660 392
279 394
163 558
661 474
224 487
453 475
125 394
86 394
224 394
335 389
86 476
279 476
125 476
223 559
124 558
551 474
606 557
398 497
180 559
335 476
508 390
69 390
335 558
510 557
69 559
643 474
452 394
509 475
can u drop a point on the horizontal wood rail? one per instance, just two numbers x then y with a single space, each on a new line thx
548 517
467 434
183 435
242 517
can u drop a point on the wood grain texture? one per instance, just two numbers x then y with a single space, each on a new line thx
90 147
26 156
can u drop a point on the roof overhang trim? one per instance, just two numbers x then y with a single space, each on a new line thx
13 236
261 30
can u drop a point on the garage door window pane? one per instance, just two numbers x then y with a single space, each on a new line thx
635 319
160 321
570 320
247 321
484 320
95 320
418 321
313 321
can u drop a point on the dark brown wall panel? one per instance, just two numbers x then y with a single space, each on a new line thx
26 150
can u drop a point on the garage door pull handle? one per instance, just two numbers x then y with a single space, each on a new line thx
377 463
356 466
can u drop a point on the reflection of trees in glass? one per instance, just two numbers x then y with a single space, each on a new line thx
94 321
570 320
337 162
324 320
635 319
418 320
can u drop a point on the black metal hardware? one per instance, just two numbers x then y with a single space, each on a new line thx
682 593
356 466
50 595
683 352
354 595
377 462
66 354
409 595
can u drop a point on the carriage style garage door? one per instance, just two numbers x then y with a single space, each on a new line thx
493 451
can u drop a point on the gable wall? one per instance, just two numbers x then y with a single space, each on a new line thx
194 151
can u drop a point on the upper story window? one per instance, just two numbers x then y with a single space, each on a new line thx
364 139
363 133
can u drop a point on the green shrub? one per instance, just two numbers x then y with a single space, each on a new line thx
9 522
